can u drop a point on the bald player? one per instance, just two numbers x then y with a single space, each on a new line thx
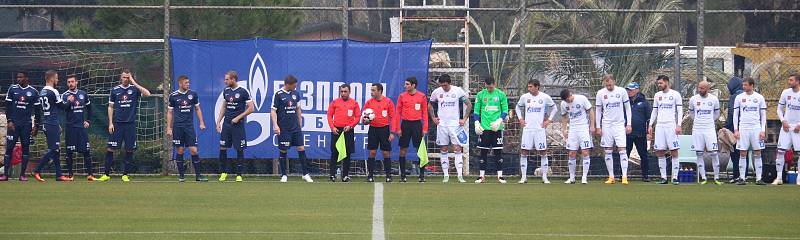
704 109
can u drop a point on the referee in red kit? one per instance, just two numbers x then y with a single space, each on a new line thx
343 116
412 109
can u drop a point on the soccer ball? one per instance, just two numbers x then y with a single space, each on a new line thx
367 116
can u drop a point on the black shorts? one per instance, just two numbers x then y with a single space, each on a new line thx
184 136
349 142
77 139
491 140
233 135
412 131
123 132
378 137
52 134
292 139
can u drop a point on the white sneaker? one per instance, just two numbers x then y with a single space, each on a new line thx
583 181
570 181
777 181
284 178
502 180
523 180
307 178
480 179
461 179
545 181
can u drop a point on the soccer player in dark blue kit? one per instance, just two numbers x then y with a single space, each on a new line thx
287 120
50 101
233 112
123 103
78 110
22 101
183 104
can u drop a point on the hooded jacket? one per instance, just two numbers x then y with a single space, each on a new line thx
734 88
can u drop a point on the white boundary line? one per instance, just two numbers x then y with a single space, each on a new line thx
558 235
378 233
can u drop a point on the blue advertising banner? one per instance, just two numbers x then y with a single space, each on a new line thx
320 66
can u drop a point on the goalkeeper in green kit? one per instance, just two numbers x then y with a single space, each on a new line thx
490 112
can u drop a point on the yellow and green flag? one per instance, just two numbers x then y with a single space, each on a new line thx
422 153
341 147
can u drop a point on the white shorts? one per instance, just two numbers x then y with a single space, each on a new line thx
665 139
789 139
534 138
704 140
613 136
748 139
446 135
579 140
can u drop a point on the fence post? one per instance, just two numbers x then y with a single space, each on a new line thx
701 11
165 87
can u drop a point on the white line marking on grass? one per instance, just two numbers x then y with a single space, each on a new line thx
378 233
556 235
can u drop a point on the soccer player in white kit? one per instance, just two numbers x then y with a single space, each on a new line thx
789 114
749 125
450 118
613 121
577 115
704 109
533 115
666 115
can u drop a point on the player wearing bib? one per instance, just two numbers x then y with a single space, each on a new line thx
449 107
123 105
412 108
343 115
535 110
50 101
489 114
704 109
78 112
750 124
613 121
666 116
287 121
233 113
789 114
22 102
379 134
577 122
183 105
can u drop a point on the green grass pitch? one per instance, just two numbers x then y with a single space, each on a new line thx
262 208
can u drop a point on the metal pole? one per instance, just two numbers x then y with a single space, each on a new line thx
165 85
523 16
676 67
345 20
700 38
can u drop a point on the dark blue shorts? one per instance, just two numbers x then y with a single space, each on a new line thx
233 135
294 139
52 134
184 136
77 139
123 133
21 134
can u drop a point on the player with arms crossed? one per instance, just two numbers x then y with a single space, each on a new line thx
287 123
183 104
750 124
22 102
378 113
123 105
489 114
51 104
613 121
78 112
789 114
452 105
704 109
577 121
666 116
230 124
534 117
